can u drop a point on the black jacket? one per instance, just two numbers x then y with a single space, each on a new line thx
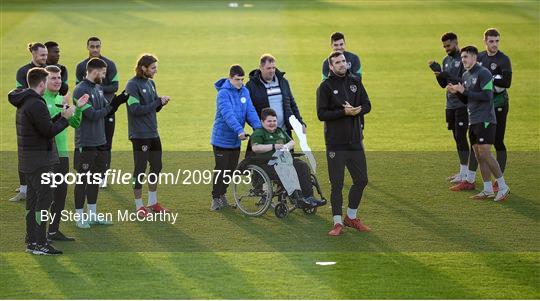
35 130
257 92
332 94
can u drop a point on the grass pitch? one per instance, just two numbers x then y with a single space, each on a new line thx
426 241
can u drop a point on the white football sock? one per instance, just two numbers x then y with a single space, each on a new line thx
502 183
488 187
152 198
79 214
92 212
337 219
351 213
463 171
138 203
22 188
471 176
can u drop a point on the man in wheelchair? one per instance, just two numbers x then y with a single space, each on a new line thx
296 178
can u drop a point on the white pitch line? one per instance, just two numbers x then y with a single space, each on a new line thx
325 262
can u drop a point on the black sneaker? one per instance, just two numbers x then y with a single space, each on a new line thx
30 247
59 236
315 202
46 249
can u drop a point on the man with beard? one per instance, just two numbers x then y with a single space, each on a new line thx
341 100
456 112
90 141
143 104
39 59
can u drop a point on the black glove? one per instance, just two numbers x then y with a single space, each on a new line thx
435 67
450 78
118 100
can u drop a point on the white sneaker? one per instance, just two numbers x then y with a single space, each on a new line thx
457 179
502 194
21 196
82 224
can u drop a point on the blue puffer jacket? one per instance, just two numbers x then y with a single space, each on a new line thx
233 109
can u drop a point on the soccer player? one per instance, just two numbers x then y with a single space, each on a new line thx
142 105
499 64
39 59
53 57
341 100
55 102
477 92
269 88
90 141
456 112
35 131
109 85
233 109
337 42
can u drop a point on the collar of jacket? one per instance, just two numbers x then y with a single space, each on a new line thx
335 76
256 75
49 93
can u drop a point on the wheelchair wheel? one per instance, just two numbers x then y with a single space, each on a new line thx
253 193
281 210
310 210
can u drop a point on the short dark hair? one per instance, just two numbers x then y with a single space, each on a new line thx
92 39
470 49
144 60
95 63
51 44
336 36
267 58
35 76
236 70
267 112
333 55
449 36
35 46
491 32
53 69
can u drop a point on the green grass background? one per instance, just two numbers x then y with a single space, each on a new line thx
426 242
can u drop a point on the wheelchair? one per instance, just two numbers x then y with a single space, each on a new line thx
260 189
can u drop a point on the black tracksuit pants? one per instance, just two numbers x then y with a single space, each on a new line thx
39 197
59 194
352 157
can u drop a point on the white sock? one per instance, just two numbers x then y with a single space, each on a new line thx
152 198
138 203
488 187
92 211
463 171
22 188
351 213
79 214
471 176
337 219
502 183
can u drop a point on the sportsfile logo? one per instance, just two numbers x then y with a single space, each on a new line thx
182 176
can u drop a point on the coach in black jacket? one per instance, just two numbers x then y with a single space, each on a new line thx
341 101
269 88
37 154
